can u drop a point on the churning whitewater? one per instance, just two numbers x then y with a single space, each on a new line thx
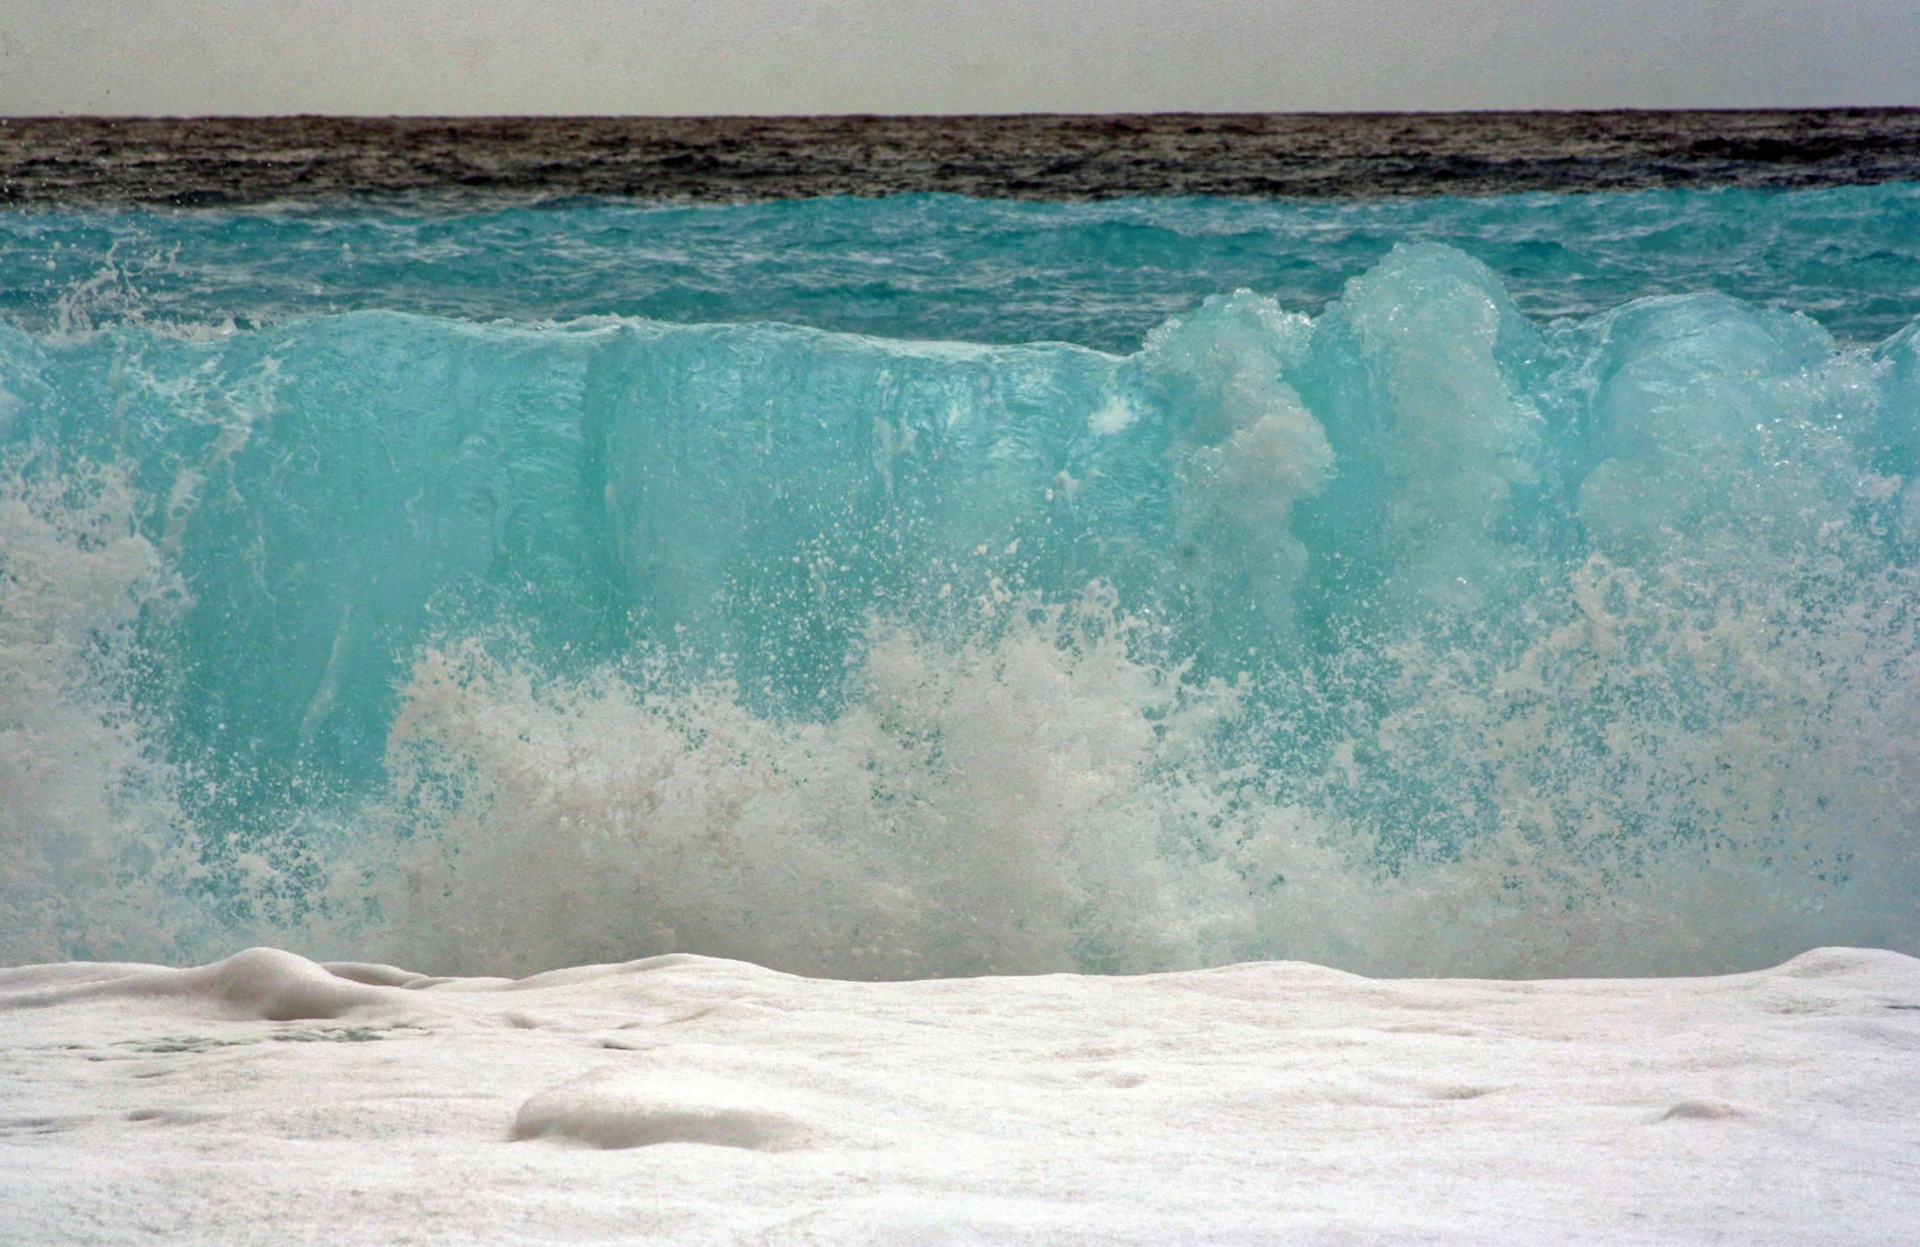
1418 635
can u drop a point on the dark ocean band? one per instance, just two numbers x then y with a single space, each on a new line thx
230 161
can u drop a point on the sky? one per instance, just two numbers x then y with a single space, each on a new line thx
449 57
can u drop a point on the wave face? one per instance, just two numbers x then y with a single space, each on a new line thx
1419 635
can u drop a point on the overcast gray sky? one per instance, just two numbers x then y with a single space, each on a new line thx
904 56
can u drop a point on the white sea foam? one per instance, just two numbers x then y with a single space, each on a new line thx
1053 799
87 803
686 1100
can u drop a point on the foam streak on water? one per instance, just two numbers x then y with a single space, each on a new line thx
1417 635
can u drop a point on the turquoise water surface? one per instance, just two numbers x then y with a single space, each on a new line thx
932 586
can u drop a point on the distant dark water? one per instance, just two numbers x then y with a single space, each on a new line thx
224 161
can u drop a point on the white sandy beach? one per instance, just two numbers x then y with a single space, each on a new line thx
688 1100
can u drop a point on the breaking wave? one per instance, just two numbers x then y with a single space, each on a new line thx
1414 637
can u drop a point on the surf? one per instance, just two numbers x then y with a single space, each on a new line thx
1410 633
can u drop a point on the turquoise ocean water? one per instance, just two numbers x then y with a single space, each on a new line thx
926 585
